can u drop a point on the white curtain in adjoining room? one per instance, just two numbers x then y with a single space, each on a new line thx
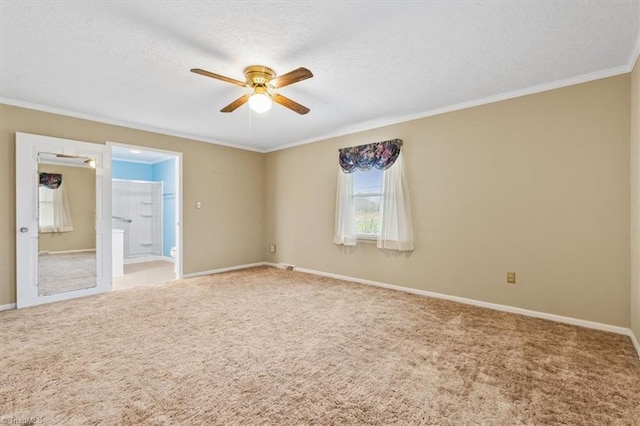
396 225
54 214
345 221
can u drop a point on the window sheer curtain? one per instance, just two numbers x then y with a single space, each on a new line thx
345 228
54 211
396 225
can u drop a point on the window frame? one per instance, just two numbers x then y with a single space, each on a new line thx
368 238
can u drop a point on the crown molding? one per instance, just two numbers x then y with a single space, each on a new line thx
99 119
360 127
584 78
370 125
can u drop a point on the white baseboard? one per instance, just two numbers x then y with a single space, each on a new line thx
288 266
67 251
227 269
488 305
150 258
7 306
634 341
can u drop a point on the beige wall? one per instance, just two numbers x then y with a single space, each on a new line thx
635 201
80 187
538 185
226 231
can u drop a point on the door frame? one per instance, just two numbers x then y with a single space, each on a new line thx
179 207
27 182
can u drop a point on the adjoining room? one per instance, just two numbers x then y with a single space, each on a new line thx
145 196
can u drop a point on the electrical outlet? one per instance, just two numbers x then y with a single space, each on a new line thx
511 277
272 248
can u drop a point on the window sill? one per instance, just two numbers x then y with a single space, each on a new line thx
367 239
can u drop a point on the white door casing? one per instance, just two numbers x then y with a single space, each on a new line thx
27 182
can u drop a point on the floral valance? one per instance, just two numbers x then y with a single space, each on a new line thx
51 180
380 155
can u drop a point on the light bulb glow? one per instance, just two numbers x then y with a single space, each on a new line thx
260 102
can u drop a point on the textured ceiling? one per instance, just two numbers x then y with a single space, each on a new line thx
374 63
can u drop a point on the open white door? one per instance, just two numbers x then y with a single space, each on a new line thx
68 265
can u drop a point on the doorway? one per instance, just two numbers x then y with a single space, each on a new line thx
146 215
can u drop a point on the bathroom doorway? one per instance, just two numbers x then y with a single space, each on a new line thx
146 216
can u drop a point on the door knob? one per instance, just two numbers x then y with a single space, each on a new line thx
24 229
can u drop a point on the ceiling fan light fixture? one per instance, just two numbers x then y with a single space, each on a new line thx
260 78
260 102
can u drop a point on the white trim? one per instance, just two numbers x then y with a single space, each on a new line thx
374 124
99 119
360 127
227 269
281 265
150 258
494 306
7 307
66 251
634 341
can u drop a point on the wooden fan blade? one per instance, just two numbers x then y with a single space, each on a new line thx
288 103
219 77
291 77
235 104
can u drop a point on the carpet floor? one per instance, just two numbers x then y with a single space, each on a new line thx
144 274
265 346
59 273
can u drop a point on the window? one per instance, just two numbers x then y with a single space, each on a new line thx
367 199
372 197
54 214
46 208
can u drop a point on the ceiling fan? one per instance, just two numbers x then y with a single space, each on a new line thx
262 80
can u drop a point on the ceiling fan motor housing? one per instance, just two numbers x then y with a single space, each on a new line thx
258 75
